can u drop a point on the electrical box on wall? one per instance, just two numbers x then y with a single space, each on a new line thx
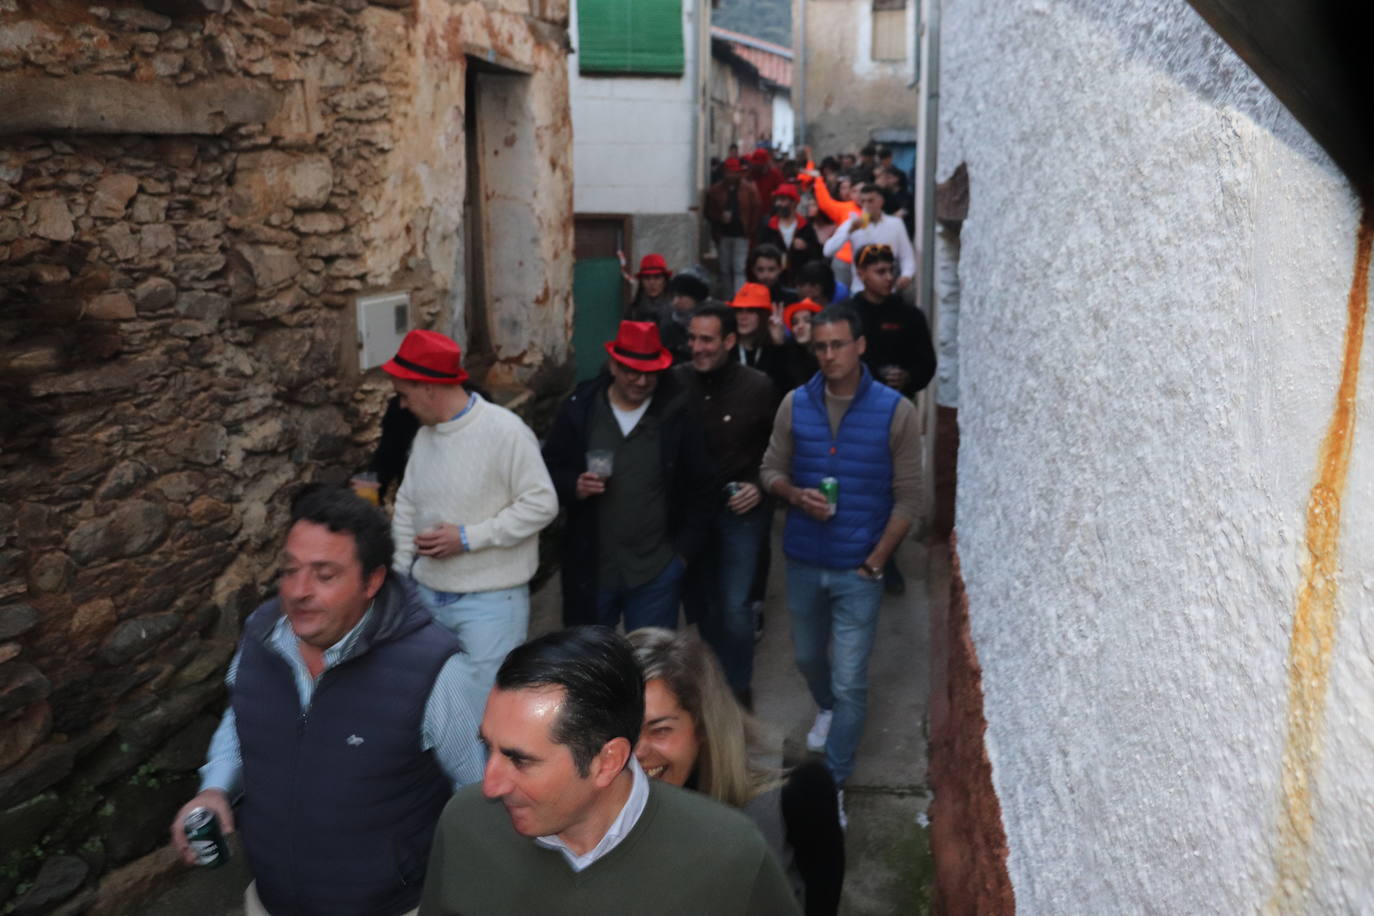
383 319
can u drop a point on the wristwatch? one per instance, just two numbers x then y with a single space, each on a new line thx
872 571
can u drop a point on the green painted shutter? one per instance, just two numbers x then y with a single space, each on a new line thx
630 36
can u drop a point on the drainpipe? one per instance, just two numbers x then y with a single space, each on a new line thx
927 133
701 20
799 77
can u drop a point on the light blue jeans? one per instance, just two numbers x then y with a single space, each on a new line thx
489 624
834 620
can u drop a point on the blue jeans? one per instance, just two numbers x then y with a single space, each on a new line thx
489 624
717 590
653 604
834 620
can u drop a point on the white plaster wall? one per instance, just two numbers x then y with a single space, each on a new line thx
633 137
1154 278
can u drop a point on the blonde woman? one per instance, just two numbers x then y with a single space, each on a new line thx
696 735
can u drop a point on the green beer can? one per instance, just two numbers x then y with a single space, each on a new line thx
830 487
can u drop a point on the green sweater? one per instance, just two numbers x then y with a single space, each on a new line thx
686 855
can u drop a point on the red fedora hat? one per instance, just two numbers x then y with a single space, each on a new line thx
638 346
652 264
427 356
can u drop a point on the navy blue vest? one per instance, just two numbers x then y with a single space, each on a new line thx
339 802
859 457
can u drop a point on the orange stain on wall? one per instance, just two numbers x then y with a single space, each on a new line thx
1314 626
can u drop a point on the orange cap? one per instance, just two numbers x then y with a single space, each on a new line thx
806 305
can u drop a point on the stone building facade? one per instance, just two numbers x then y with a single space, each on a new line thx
193 194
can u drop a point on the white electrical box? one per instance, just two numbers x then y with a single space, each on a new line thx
383 319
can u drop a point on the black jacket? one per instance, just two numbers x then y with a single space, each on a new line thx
812 250
687 471
897 335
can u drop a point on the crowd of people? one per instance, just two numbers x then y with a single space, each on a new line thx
386 695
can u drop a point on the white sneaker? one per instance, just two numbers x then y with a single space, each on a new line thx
844 818
820 730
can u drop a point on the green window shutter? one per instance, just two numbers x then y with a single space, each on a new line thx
630 36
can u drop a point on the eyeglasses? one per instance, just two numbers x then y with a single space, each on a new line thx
834 346
870 253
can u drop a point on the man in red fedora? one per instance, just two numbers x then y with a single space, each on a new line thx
471 505
733 208
633 475
791 233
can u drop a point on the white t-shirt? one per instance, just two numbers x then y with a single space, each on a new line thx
628 419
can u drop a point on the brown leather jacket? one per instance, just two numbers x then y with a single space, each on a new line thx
750 209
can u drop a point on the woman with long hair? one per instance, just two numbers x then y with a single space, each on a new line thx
696 735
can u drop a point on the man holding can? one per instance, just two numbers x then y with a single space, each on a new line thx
859 439
348 726
735 405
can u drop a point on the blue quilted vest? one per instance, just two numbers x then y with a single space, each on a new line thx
859 457
340 803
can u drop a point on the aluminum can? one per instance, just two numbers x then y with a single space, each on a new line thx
732 488
830 487
206 839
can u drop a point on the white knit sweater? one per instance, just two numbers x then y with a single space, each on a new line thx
484 471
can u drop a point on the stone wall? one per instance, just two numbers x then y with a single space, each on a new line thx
190 200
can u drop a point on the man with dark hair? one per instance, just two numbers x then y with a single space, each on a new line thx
899 351
340 787
581 828
735 405
637 518
842 424
871 226
766 267
816 281
733 210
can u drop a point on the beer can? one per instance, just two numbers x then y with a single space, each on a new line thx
830 487
732 488
206 839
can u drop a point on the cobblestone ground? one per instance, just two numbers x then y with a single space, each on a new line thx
889 870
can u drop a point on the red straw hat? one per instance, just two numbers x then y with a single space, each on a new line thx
427 356
806 305
752 296
638 346
787 189
733 164
652 264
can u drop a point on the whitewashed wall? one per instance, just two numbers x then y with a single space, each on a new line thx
633 137
1154 277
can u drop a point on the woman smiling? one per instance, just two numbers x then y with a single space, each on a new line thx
696 735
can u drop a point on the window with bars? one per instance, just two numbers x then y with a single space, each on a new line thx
889 30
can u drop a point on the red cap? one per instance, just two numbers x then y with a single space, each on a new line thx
733 164
752 296
787 189
653 264
806 305
638 346
759 156
427 356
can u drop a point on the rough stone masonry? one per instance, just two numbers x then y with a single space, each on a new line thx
192 193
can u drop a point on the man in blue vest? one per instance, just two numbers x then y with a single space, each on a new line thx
347 729
846 425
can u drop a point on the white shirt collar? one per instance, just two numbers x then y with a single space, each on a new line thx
620 827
